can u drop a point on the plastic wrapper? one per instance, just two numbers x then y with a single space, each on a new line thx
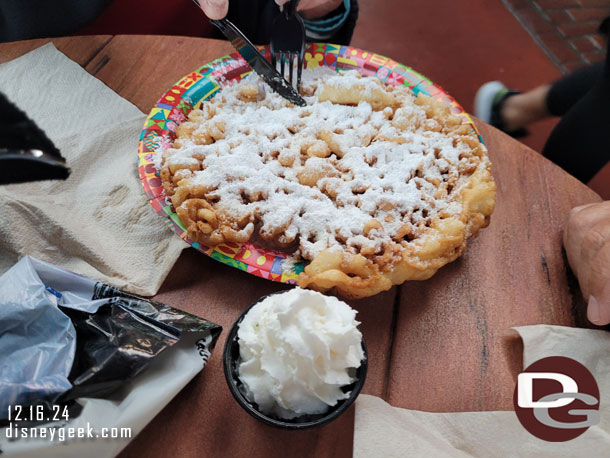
65 339
37 341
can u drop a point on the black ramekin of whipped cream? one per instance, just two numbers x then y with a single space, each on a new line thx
295 359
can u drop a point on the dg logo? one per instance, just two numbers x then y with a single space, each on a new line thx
556 399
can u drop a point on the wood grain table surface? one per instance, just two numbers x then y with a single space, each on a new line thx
440 345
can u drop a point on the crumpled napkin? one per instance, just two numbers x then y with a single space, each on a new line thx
98 222
383 430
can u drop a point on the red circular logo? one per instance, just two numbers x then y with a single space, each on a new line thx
556 399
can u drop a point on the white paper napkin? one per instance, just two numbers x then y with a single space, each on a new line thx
383 430
98 222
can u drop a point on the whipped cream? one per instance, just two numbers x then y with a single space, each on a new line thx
297 350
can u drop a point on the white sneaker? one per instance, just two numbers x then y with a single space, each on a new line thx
485 99
488 106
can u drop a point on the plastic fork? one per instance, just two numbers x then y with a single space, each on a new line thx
288 42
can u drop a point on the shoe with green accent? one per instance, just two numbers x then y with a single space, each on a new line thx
488 106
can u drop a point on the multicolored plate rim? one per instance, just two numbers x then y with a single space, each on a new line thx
188 93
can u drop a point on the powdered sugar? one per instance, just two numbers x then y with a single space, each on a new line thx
265 169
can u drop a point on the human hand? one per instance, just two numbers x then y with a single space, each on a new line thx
586 239
217 9
214 9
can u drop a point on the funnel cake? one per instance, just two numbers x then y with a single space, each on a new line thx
371 184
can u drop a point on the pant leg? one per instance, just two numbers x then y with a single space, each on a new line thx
580 143
566 91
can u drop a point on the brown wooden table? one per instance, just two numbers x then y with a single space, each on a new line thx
440 345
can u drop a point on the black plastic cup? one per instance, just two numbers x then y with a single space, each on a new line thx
231 361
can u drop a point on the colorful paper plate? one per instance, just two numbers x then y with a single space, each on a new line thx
188 93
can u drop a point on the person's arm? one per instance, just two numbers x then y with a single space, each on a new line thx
325 20
587 242
333 22
310 9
